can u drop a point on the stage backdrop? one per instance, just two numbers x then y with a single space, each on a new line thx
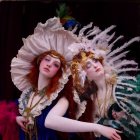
19 18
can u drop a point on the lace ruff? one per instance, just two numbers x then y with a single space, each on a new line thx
23 100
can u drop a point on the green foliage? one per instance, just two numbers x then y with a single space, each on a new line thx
62 11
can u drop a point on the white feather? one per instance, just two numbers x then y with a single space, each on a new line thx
120 87
127 77
81 32
126 84
113 59
103 34
124 63
124 46
95 31
110 37
112 44
127 69
74 29
134 95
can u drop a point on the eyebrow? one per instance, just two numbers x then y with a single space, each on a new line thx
55 59
88 61
57 62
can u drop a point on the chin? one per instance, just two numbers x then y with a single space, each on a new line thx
98 77
100 74
47 75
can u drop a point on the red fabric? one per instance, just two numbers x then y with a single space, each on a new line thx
8 126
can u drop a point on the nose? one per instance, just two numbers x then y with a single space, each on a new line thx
94 65
49 65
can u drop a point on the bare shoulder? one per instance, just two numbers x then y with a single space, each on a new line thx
63 100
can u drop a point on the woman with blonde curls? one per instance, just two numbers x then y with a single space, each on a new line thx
103 89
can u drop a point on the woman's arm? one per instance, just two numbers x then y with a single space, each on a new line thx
56 121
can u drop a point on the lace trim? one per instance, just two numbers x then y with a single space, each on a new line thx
23 100
81 105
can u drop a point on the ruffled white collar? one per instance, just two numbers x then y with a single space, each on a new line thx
23 100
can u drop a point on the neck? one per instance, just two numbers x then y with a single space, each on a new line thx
42 81
101 84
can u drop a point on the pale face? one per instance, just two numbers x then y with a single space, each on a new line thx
94 69
49 66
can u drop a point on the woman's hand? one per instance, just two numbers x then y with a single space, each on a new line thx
108 132
22 121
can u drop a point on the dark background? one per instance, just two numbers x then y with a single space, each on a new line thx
19 18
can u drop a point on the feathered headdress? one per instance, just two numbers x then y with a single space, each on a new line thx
101 47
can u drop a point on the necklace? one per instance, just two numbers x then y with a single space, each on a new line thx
31 126
27 111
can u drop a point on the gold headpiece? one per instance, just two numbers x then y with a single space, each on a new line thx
77 69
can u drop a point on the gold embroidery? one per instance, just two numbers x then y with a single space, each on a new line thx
31 126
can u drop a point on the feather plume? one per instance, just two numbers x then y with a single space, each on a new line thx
124 46
120 87
126 84
74 29
125 77
124 63
115 58
112 44
127 69
129 102
81 32
103 34
95 31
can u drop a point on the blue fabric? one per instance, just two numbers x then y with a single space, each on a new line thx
43 132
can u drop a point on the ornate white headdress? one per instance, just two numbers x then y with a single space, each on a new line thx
114 60
48 36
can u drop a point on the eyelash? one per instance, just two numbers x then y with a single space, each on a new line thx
88 65
95 60
47 59
56 65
